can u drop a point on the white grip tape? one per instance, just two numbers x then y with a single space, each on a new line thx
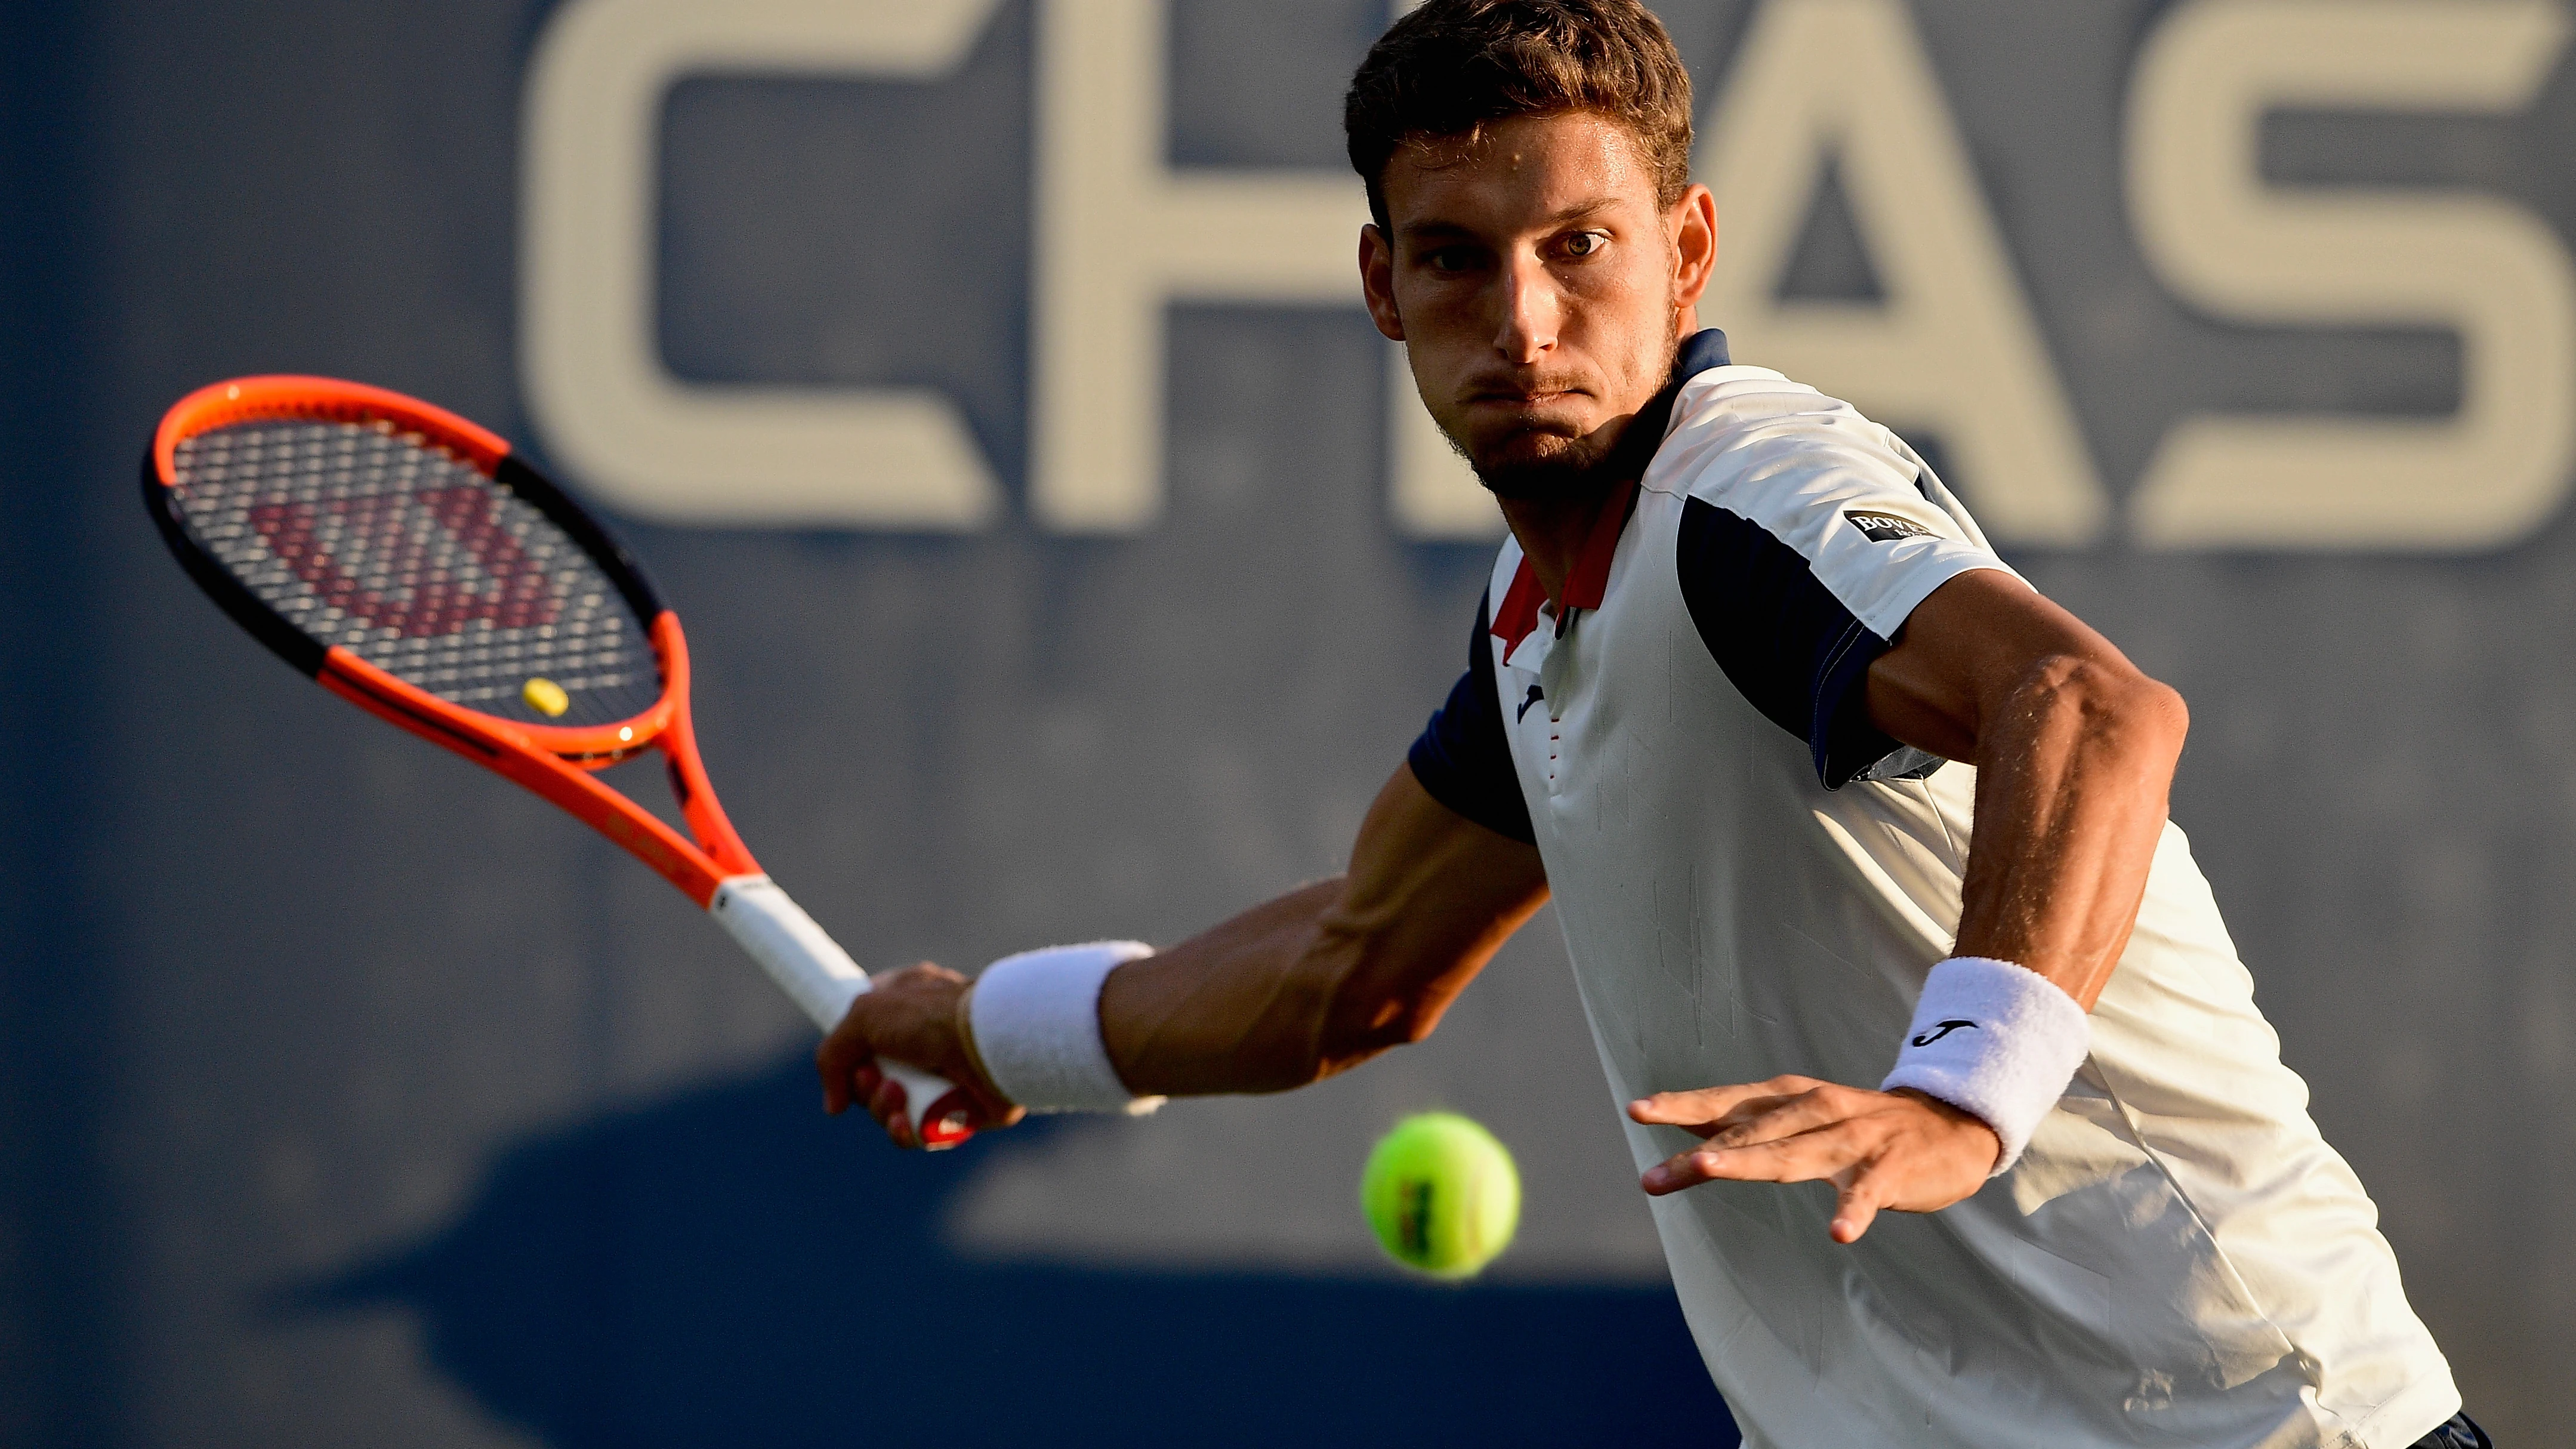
809 966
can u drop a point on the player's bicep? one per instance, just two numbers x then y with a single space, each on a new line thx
1441 875
1430 896
1964 652
1332 973
1419 868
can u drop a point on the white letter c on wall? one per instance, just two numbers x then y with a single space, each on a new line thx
643 441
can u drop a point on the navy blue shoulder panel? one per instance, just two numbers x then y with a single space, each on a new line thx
1788 645
1463 758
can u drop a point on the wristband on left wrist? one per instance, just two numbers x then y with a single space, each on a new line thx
1995 1040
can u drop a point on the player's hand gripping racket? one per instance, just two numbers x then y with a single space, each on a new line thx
404 558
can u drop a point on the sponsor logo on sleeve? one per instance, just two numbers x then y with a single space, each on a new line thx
1886 527
1944 1029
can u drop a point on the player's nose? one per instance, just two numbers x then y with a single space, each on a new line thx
1530 309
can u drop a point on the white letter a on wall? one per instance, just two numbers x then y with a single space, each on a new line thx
1954 349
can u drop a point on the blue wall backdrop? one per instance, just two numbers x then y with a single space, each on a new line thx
349 1096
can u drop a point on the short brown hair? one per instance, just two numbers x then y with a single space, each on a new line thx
1453 67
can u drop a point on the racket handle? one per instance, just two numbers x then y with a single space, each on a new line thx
819 976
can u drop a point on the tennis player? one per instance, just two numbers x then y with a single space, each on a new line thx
1858 842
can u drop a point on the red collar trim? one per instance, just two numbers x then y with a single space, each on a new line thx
1584 588
1591 577
1517 619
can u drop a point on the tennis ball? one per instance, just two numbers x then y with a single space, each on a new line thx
1441 1195
545 696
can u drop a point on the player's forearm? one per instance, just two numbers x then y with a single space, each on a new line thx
1240 1008
2074 769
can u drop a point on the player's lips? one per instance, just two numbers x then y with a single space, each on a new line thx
1524 398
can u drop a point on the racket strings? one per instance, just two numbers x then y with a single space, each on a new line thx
377 541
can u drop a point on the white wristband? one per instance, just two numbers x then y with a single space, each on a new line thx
1036 1022
1997 1040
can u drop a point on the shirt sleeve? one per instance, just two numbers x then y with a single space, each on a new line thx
1463 759
1800 560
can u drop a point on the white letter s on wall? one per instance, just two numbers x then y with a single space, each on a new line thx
2222 240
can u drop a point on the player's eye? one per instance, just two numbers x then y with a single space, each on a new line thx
1450 261
1584 243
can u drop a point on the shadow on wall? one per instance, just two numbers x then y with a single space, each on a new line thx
731 1267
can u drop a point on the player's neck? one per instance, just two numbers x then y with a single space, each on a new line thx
1556 531
1553 531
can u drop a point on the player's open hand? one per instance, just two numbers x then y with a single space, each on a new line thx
911 1017
1900 1151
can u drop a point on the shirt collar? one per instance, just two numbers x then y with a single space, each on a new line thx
1590 581
1699 352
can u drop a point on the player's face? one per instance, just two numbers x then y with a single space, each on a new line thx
1538 288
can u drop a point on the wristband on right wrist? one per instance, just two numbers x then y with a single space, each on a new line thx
962 1021
1033 1024
1996 1040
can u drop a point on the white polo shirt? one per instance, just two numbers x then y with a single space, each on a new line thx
1753 881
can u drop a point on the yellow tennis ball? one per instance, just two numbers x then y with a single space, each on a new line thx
545 696
1441 1194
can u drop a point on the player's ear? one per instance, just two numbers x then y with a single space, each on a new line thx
1377 282
1692 224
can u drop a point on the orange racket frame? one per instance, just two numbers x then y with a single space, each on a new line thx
709 864
553 761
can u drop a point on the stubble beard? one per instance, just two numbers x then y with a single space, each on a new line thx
1573 468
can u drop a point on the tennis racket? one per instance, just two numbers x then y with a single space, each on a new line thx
410 563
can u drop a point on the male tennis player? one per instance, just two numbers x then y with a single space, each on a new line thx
1745 676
